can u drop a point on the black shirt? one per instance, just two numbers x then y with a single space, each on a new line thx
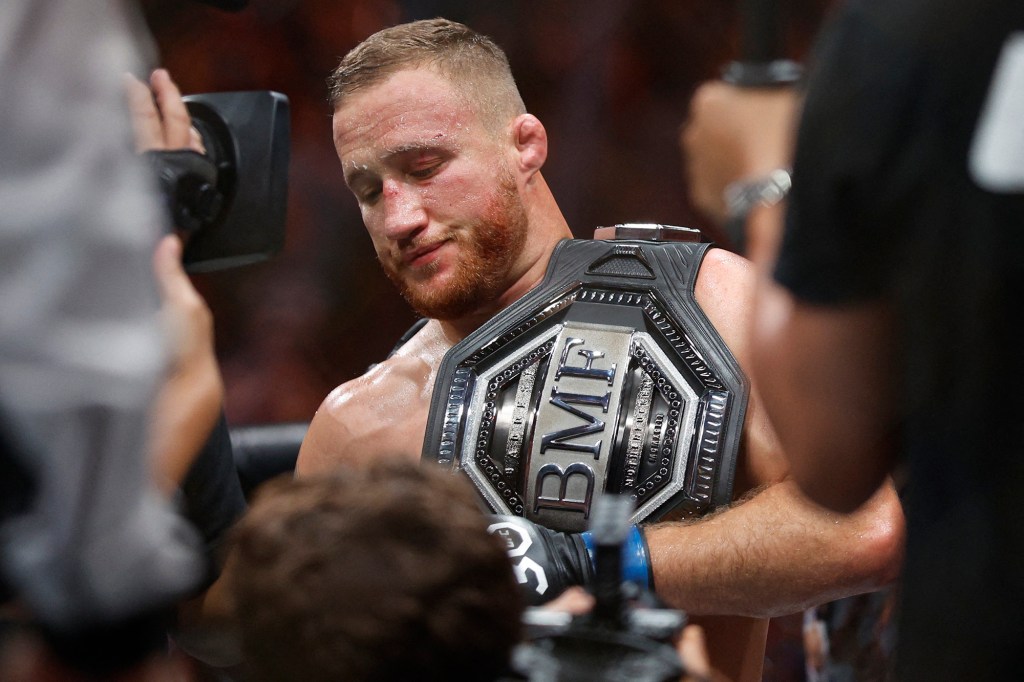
884 208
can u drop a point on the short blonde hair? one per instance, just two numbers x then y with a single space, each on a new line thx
472 62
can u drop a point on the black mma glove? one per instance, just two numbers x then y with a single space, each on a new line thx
546 562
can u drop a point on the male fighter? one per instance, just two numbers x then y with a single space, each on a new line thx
445 162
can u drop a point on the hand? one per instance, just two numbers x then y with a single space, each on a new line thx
735 133
190 400
693 651
160 119
546 562
575 601
690 643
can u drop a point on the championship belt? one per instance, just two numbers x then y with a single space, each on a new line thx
607 377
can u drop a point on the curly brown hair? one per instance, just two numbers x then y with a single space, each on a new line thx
376 575
472 62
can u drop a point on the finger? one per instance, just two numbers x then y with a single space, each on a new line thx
574 600
170 275
177 123
147 128
694 652
195 140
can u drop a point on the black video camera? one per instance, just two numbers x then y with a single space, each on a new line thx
231 201
627 636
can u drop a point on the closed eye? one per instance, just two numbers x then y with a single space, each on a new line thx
426 171
368 193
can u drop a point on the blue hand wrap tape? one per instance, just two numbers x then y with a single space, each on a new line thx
636 565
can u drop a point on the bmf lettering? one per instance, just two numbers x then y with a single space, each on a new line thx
558 440
575 422
563 501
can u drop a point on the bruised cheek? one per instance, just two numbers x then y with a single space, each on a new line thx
453 195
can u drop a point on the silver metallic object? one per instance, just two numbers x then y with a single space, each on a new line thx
607 377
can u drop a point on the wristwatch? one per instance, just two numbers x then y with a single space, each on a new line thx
741 197
768 190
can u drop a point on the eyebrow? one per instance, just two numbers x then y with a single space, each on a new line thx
410 147
354 176
392 153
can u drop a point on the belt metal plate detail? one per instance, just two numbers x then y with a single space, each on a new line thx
593 389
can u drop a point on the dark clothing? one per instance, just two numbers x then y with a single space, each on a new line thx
885 208
212 497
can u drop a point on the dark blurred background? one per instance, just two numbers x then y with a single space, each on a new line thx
610 79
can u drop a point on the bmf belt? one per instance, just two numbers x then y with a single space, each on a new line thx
607 377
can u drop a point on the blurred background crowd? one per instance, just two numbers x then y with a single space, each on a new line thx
610 79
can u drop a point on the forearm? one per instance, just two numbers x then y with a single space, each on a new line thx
776 553
825 375
824 378
184 413
213 502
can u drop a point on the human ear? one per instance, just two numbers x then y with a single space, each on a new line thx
531 142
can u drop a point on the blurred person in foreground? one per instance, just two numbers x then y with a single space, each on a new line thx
885 335
445 163
104 403
383 574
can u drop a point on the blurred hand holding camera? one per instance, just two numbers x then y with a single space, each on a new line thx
160 120
689 644
189 402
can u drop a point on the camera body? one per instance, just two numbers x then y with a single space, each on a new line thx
230 202
627 636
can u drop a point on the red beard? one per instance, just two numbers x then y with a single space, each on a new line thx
488 248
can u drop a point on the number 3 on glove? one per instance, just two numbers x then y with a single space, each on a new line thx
546 562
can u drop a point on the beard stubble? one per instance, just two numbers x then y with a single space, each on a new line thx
488 248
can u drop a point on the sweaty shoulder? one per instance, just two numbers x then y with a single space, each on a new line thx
725 292
382 413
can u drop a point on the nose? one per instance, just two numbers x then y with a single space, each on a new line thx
404 212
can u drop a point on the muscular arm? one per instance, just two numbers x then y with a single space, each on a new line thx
383 413
775 552
380 414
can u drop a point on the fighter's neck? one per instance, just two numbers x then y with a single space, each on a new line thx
547 228
464 326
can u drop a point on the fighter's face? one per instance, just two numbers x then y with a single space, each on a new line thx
435 190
